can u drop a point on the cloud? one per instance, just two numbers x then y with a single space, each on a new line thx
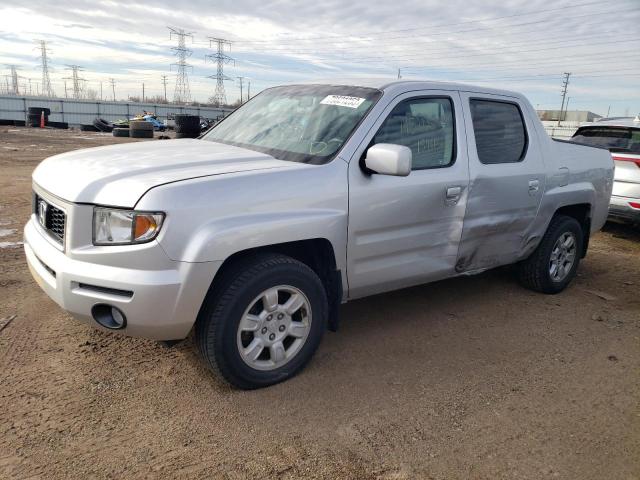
506 42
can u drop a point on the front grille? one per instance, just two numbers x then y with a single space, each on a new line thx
51 218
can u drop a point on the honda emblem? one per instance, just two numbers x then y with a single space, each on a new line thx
42 213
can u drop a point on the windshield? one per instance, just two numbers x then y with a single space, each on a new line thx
300 123
621 139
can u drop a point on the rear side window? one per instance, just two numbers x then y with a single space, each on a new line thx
614 138
499 131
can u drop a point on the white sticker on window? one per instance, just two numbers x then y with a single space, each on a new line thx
342 101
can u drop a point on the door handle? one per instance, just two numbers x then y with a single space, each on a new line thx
453 195
534 186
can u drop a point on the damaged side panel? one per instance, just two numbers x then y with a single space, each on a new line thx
504 192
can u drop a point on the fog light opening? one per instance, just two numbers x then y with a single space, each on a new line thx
109 316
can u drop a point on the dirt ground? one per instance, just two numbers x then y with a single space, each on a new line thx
471 378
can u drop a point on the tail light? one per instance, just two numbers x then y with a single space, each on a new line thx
627 159
635 204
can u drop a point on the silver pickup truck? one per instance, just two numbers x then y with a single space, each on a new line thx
305 197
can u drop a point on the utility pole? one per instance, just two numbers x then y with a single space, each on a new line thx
113 88
240 79
164 84
565 84
46 89
76 80
65 89
399 76
248 90
220 96
142 92
182 94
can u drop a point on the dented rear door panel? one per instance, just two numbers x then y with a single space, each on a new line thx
503 198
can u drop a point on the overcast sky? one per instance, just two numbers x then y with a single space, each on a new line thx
519 45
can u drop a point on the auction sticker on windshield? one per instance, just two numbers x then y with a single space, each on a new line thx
342 101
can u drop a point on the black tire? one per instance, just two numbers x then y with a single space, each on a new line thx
187 122
88 128
187 135
38 111
220 315
62 125
140 125
102 125
135 133
534 272
120 132
184 129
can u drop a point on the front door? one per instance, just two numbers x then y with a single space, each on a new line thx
406 230
506 181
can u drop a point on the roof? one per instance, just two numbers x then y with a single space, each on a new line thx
616 122
387 84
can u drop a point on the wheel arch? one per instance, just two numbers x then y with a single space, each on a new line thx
581 212
317 253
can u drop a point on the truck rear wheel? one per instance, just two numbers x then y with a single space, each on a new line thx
263 321
552 266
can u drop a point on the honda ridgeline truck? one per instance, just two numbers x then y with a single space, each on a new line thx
305 197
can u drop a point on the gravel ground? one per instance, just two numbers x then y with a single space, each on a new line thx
467 378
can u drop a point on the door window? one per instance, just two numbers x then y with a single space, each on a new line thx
499 131
426 126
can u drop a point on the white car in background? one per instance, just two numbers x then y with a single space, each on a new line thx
622 137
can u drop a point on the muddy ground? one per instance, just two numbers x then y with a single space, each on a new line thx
467 378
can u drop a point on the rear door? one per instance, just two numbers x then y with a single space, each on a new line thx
506 181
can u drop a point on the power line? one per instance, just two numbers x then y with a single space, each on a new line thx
45 84
76 81
377 34
182 93
220 96
448 32
14 89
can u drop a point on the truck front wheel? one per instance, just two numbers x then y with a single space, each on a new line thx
552 266
262 321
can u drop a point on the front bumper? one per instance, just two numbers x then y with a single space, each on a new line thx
159 304
619 208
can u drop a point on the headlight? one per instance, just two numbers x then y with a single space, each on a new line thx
122 227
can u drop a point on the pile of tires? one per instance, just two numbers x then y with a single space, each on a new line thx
140 129
120 132
102 125
34 114
187 126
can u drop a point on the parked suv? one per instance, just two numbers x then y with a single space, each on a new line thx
621 136
305 197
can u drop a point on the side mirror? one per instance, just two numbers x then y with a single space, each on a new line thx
389 159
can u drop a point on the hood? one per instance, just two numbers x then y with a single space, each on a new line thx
118 175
